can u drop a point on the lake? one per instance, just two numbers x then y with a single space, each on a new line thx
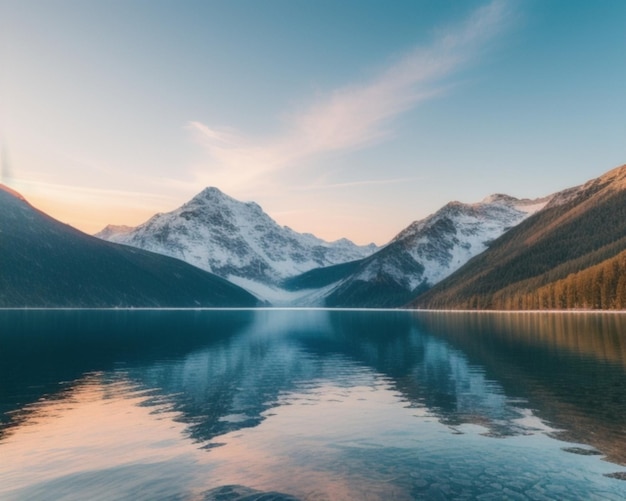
311 405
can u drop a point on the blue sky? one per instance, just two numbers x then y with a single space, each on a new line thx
341 118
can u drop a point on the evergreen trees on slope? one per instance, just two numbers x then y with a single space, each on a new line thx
575 242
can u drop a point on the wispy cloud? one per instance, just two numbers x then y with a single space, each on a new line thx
355 116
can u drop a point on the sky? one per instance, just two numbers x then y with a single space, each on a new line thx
344 118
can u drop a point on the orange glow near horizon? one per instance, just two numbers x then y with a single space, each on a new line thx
91 210
89 217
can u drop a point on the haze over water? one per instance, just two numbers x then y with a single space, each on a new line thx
313 404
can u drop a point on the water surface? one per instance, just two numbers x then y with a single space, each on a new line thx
311 404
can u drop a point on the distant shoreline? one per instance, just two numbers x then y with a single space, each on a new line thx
304 308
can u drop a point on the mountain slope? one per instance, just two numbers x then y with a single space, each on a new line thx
235 240
45 263
421 255
581 227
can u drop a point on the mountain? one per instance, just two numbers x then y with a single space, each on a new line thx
45 263
423 254
114 231
235 240
569 255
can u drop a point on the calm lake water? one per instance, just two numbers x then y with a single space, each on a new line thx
311 405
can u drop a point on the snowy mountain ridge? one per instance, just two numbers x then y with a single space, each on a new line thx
447 239
429 250
235 240
240 242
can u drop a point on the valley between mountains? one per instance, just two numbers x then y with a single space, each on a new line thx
563 251
241 243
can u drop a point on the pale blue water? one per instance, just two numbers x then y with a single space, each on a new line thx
311 404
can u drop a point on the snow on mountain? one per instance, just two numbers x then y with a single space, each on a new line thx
446 240
112 231
235 240
429 250
241 243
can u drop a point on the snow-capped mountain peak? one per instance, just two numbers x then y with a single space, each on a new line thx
236 240
110 231
526 205
429 250
499 198
447 239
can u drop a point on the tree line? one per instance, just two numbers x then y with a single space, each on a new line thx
600 287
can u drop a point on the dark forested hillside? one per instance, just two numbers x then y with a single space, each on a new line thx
576 244
45 263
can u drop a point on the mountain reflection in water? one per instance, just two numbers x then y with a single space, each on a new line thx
311 403
570 368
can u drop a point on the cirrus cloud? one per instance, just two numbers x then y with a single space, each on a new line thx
354 116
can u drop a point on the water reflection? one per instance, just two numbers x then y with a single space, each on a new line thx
43 352
96 442
570 369
318 404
